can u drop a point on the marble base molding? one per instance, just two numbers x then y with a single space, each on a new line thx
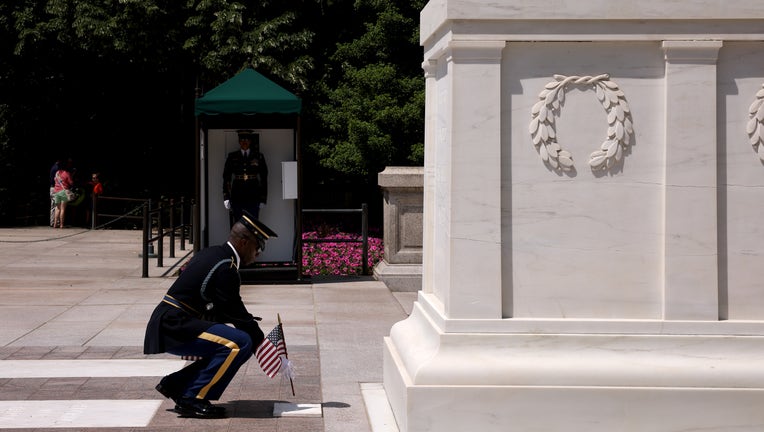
534 378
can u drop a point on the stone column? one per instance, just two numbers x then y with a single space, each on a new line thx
401 267
467 179
691 277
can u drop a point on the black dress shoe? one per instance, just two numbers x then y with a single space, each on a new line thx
168 390
198 408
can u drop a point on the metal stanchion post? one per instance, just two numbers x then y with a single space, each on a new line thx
160 237
365 234
145 254
172 228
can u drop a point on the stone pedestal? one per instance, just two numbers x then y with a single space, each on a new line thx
592 236
401 268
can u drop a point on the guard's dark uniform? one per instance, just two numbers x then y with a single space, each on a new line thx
189 320
245 182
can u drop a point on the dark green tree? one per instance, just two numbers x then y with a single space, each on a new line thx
373 108
112 84
95 79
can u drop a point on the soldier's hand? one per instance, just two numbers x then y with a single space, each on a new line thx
227 204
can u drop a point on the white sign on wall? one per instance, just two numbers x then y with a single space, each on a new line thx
289 179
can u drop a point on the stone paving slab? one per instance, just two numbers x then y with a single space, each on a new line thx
77 294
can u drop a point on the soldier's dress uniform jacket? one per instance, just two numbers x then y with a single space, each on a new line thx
192 320
245 182
206 293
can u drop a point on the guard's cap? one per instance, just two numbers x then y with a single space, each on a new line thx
259 229
246 133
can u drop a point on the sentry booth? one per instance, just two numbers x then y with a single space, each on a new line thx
251 101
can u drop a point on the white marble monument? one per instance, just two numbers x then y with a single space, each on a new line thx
593 243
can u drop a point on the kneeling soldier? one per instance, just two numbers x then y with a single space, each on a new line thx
191 321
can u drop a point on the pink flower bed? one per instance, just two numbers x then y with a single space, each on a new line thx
338 258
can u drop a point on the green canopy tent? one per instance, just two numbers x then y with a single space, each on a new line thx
248 93
248 100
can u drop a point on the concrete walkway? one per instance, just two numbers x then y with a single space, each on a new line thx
73 309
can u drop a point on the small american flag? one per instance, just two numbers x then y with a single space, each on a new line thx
269 352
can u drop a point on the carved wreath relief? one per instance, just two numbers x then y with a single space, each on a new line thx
542 126
756 123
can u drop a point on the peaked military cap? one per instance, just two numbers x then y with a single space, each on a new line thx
246 133
259 229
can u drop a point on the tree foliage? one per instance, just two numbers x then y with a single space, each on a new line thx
374 108
90 78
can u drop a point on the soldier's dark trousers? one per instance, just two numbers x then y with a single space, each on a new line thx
224 350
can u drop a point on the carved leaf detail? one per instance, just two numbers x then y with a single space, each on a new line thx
619 130
544 154
610 147
755 137
600 93
534 125
550 97
755 125
627 126
597 159
751 126
755 105
619 112
536 107
542 113
553 162
612 98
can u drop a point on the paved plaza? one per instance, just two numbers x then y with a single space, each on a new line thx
73 309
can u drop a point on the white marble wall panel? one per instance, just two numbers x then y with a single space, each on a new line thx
583 243
741 184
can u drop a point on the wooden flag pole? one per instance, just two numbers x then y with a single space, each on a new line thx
286 353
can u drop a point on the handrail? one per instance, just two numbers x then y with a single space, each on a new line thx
159 214
95 216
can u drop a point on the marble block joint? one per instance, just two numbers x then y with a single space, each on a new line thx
591 204
401 267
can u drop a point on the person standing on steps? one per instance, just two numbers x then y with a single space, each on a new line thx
53 170
62 192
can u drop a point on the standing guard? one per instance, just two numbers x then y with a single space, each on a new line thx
245 177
